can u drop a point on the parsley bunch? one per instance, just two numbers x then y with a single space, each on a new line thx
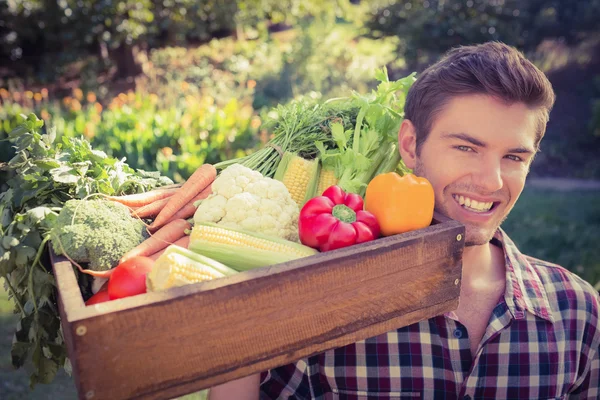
45 173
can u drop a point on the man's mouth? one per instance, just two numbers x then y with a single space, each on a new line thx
474 205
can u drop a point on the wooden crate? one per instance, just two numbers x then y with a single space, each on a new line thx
166 344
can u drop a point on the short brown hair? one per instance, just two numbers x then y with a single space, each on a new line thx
492 68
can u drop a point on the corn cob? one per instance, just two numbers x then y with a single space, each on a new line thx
326 178
178 266
300 176
243 250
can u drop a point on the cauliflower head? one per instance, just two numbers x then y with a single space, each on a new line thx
244 198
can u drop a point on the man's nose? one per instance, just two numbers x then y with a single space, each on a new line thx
489 175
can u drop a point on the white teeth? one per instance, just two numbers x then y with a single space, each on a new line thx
473 204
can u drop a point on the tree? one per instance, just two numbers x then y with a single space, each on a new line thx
430 27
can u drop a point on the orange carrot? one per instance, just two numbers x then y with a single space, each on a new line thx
141 199
189 209
175 185
183 242
162 238
150 210
200 179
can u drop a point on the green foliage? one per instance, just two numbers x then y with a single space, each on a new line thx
97 232
222 69
173 134
361 149
195 105
43 175
430 27
323 59
89 26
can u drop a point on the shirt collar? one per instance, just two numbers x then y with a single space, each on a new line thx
524 289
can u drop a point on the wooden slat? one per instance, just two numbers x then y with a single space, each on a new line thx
70 302
162 345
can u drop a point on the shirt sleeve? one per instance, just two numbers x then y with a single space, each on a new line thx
588 386
286 382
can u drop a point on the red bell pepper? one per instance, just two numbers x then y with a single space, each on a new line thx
336 219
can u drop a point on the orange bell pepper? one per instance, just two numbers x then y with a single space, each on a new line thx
400 203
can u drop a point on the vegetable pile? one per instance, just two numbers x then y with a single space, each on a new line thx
129 232
45 174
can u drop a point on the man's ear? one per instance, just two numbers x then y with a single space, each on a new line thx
407 143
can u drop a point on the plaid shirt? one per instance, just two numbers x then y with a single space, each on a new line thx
542 342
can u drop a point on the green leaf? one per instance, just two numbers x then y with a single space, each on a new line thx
382 74
5 217
361 162
81 167
7 262
370 141
50 137
47 163
43 368
19 158
23 255
29 307
337 131
321 148
9 241
64 174
38 214
18 353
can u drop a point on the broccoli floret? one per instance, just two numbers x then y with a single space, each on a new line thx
101 233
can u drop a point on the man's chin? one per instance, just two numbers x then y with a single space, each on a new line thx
478 237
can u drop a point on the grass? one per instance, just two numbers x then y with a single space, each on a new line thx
561 227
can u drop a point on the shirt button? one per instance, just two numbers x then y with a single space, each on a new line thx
458 333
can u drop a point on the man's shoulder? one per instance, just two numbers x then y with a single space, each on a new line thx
564 288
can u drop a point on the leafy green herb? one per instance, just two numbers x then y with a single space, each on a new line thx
360 151
296 127
45 173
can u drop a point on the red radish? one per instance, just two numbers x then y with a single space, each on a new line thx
129 278
162 238
200 179
100 297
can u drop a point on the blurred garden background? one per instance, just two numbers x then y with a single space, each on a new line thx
172 84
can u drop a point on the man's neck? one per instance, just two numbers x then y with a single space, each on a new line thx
482 265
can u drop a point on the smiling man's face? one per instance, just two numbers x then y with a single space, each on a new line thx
476 157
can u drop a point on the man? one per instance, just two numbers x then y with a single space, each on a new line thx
524 328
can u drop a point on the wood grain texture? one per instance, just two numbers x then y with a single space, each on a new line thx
162 345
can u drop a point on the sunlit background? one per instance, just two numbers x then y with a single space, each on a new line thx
172 84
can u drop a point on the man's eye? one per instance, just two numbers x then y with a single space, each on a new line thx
514 158
463 148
